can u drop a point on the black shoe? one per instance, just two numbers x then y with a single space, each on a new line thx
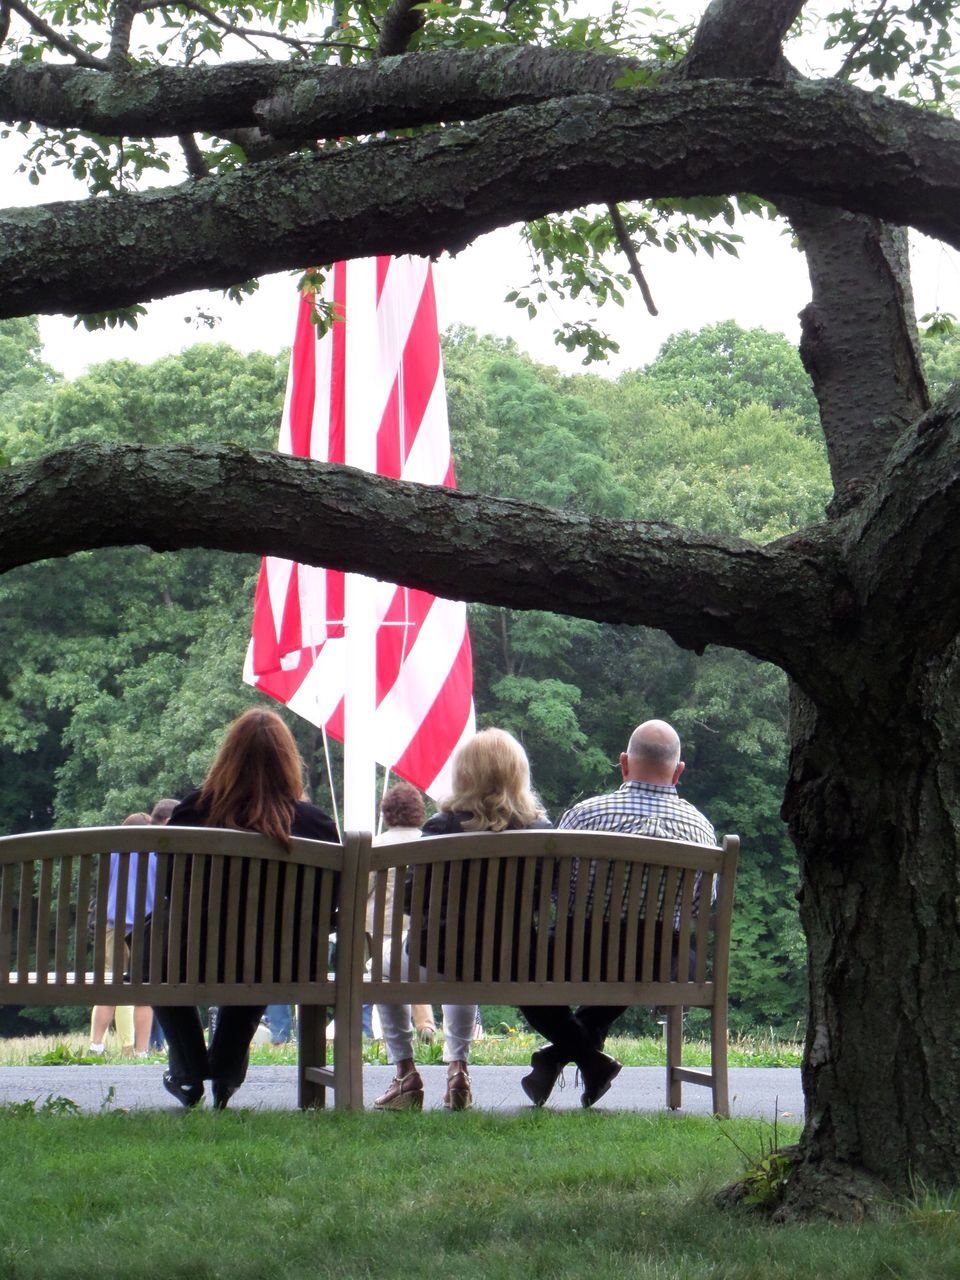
546 1070
597 1073
222 1093
187 1092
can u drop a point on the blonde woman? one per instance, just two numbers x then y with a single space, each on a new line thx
491 792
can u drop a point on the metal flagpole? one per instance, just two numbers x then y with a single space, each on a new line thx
360 448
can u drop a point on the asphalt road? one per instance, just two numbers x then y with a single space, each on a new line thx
761 1092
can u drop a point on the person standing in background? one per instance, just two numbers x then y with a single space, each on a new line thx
133 1024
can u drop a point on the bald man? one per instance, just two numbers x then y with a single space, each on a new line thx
645 804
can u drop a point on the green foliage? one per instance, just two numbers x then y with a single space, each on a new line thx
575 255
941 358
127 662
63 1056
25 378
908 44
725 368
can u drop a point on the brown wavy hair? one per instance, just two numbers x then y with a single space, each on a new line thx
491 782
256 778
402 806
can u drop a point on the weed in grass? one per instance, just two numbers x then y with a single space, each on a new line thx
374 1053
767 1171
62 1055
933 1207
52 1105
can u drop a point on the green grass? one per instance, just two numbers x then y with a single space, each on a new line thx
510 1049
244 1195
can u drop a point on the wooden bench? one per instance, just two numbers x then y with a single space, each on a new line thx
506 942
214 939
243 921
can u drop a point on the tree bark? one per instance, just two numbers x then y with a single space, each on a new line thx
825 142
859 341
703 589
301 100
871 804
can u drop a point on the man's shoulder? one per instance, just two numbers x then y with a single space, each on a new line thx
587 811
639 810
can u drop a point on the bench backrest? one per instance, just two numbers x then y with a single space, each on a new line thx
231 908
510 915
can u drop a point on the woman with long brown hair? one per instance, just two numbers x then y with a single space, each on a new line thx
254 784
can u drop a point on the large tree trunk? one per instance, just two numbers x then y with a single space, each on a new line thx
872 804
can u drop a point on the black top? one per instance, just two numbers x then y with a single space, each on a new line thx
308 821
450 823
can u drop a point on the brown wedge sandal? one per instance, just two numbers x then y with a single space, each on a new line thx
405 1093
458 1096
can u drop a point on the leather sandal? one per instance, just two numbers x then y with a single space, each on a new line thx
458 1096
405 1094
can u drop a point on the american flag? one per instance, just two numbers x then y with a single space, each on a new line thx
424 672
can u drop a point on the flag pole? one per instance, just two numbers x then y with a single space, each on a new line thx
362 419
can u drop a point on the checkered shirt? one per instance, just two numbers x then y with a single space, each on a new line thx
641 809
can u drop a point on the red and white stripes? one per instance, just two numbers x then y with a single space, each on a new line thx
424 674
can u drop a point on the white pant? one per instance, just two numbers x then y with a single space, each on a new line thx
459 1022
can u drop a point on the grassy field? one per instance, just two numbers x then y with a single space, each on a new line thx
506 1050
243 1195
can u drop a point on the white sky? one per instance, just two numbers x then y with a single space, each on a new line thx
767 286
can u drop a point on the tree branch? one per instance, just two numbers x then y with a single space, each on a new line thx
401 23
296 100
244 33
859 342
196 165
826 142
57 41
741 38
120 28
857 45
626 245
702 589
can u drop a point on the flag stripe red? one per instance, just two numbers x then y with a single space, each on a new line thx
424 676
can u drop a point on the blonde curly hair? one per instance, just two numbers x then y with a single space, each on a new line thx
491 782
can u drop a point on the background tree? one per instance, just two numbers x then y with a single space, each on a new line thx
518 113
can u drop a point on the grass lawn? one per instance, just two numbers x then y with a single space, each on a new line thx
287 1196
503 1050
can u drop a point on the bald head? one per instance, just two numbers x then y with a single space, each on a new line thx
653 754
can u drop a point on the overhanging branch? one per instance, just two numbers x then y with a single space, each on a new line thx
296 100
772 602
830 143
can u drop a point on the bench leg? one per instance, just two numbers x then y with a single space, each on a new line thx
718 1060
312 1053
674 1055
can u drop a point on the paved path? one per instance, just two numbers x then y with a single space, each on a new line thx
754 1091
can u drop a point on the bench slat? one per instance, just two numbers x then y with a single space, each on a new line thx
65 895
